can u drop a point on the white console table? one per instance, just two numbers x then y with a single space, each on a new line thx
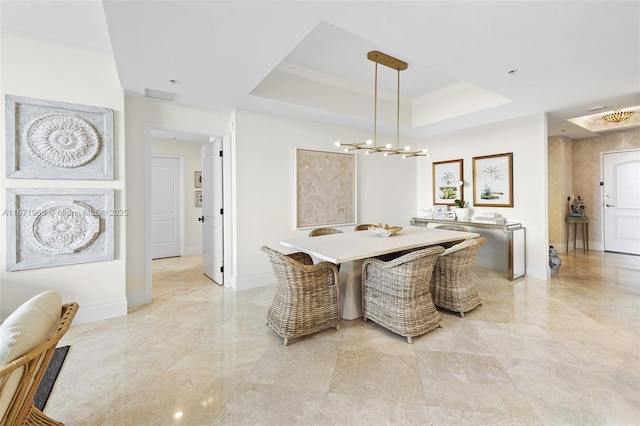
516 241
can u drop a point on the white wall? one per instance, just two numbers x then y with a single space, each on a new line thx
48 71
526 137
190 153
264 186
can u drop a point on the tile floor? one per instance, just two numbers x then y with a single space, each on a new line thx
563 352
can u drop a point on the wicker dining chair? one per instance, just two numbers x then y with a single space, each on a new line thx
452 285
395 294
459 228
324 231
362 227
306 298
23 375
452 228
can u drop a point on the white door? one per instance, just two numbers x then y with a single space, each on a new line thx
166 207
212 213
622 201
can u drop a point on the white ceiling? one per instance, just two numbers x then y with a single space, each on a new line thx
307 59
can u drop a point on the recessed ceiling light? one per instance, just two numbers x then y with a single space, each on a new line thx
596 108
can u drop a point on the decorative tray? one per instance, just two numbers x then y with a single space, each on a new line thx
386 230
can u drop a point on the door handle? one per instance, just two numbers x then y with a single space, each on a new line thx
201 219
609 205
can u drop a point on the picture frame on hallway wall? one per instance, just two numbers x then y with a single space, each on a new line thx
318 203
493 180
446 178
57 140
55 227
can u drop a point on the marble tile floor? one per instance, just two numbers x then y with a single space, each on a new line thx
562 352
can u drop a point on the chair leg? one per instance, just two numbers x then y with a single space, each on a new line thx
337 326
286 341
461 314
409 340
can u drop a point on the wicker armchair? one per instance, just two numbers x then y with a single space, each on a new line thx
324 231
362 227
452 228
452 286
306 298
29 370
395 294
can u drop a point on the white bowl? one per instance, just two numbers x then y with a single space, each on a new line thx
385 231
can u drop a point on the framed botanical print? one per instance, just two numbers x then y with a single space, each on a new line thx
447 176
493 180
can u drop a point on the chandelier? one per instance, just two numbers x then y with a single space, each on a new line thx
617 116
371 146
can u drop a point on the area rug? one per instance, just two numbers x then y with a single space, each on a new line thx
49 379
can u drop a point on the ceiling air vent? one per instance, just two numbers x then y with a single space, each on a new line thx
159 94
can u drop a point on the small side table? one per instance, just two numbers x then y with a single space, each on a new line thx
575 220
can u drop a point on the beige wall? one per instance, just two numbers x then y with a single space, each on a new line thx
190 153
587 174
48 71
575 170
561 186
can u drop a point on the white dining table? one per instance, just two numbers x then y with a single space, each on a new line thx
349 249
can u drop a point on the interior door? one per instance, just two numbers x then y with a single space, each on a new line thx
166 207
621 172
212 211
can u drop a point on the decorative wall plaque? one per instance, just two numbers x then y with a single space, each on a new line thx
48 227
57 140
325 188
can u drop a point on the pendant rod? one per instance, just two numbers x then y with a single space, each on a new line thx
398 115
375 111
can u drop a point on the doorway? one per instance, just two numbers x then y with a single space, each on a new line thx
156 131
212 211
166 206
621 201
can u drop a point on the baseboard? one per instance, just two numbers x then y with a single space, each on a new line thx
102 311
253 281
137 298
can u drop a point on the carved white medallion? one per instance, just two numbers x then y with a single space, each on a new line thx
64 227
62 140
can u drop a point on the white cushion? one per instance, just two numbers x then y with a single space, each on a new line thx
29 325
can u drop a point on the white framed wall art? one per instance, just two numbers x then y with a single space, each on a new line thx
58 140
54 227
